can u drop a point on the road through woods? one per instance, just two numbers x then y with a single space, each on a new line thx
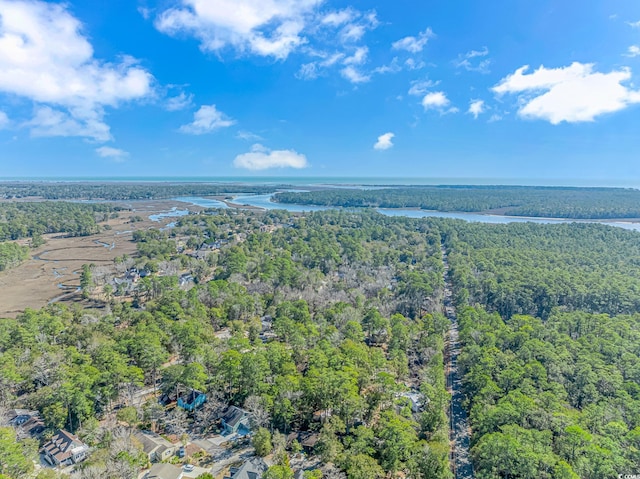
459 431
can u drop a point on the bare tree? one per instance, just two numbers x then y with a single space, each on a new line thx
257 407
45 369
154 413
332 472
176 422
208 414
89 472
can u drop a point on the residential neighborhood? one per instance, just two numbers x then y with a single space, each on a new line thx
226 455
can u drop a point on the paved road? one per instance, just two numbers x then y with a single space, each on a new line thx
459 431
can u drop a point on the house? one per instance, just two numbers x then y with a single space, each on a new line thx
164 471
235 421
17 417
267 323
321 416
416 400
168 398
132 275
191 401
254 468
64 449
186 279
33 428
155 447
308 441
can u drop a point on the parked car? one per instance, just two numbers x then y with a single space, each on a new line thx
188 467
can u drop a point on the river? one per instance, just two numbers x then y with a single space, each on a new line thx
264 202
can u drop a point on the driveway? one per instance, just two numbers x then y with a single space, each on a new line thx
231 457
197 471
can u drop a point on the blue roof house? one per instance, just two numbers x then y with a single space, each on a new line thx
192 401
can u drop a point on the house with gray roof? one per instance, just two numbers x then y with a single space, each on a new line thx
164 471
253 468
235 421
155 447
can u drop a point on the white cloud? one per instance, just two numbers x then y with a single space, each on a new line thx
354 75
45 57
414 44
207 119
633 51
358 26
575 93
263 27
179 102
421 87
275 28
262 158
476 108
113 154
634 24
393 67
435 101
49 122
145 12
308 71
384 141
352 33
358 58
412 64
248 136
332 59
4 120
466 61
339 18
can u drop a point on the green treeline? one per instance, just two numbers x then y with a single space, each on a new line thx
526 268
20 220
12 254
120 191
548 202
29 219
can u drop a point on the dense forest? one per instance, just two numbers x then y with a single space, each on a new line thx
28 219
547 202
550 356
552 399
120 190
526 268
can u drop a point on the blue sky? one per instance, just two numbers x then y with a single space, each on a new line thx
528 89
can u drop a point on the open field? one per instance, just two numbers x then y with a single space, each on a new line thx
52 273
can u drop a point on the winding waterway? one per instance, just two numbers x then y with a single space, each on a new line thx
265 202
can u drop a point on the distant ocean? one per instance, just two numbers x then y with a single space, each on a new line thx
340 181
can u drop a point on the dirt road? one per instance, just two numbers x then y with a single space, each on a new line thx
459 431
